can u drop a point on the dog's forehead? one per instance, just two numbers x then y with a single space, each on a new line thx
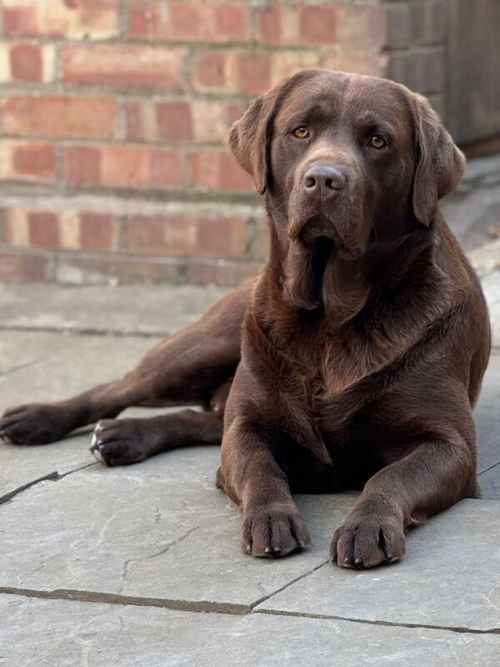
352 95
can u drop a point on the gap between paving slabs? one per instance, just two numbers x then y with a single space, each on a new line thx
205 606
196 607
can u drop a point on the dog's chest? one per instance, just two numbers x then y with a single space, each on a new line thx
330 364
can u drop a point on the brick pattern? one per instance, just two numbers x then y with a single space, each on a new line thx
132 101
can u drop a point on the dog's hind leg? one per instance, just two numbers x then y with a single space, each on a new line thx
187 368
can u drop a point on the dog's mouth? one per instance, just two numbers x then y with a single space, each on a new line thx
319 236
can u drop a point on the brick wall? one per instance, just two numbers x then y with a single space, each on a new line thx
114 114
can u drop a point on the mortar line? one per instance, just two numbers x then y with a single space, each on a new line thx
493 465
199 606
289 583
230 608
425 626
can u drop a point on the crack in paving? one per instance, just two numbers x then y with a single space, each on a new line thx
53 476
163 550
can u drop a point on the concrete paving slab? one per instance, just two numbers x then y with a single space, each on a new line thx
487 416
153 310
63 365
490 483
46 367
449 578
45 633
491 286
158 529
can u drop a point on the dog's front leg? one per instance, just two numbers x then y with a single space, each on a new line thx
432 477
271 522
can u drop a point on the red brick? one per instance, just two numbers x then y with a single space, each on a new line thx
231 175
166 169
82 165
318 24
269 24
174 121
161 235
63 18
130 166
286 63
16 267
231 22
35 160
59 116
20 21
145 18
144 234
217 170
123 65
189 21
44 229
254 73
134 120
97 231
126 166
209 69
221 237
234 112
26 63
177 236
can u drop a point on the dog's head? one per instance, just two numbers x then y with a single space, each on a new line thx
352 159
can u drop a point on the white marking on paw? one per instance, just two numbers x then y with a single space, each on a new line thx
97 453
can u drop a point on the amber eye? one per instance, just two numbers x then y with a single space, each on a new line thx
376 141
301 132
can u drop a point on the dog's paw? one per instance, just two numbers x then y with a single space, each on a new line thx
273 532
367 541
118 442
35 424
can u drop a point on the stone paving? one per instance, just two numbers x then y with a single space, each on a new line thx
141 565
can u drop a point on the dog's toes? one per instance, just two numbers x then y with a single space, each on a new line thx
270 533
112 445
368 543
36 424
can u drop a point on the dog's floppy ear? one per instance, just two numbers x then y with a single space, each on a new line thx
248 141
250 137
439 162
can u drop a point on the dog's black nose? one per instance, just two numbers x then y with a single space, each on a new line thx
325 179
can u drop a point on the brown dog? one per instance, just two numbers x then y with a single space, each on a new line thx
364 339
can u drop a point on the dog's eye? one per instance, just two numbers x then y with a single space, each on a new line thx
377 141
301 132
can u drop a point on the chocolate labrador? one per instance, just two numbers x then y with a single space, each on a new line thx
352 361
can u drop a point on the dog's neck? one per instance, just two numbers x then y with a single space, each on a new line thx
317 279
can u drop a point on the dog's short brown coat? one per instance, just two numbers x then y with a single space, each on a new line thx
363 342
